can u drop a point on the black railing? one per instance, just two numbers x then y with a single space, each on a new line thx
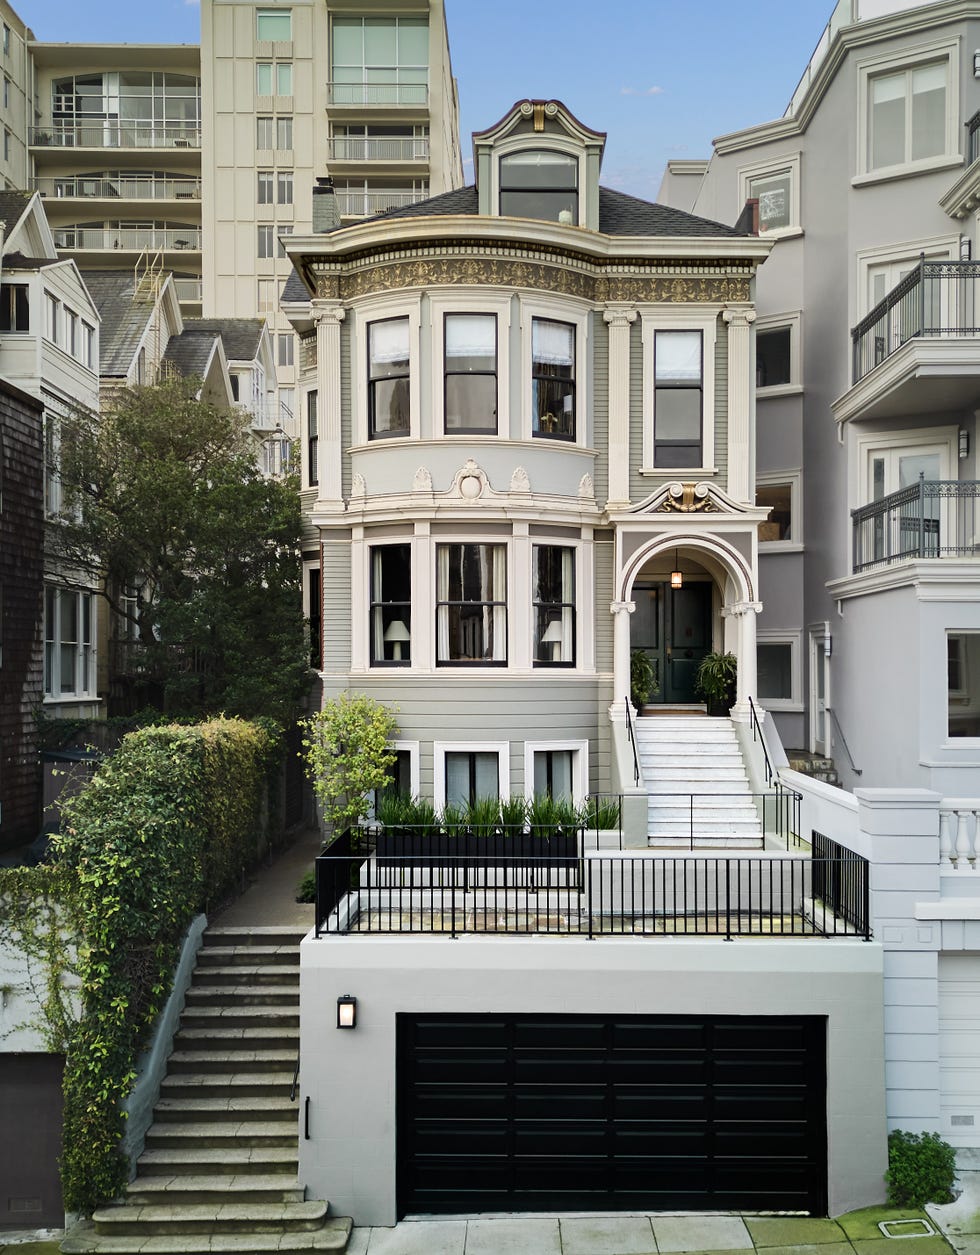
778 813
933 518
601 808
937 298
595 896
973 139
841 882
631 734
787 808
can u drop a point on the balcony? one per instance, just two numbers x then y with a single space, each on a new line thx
100 133
524 883
918 350
387 95
189 291
132 239
381 148
365 204
74 187
928 519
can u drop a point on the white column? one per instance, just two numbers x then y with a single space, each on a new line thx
621 611
328 317
744 613
521 625
740 436
618 319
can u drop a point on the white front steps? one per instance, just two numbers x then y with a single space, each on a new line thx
697 787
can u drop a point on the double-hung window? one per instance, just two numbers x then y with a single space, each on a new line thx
312 440
15 307
391 605
389 409
553 379
266 240
907 115
471 604
69 656
554 606
265 194
274 78
471 373
539 184
678 398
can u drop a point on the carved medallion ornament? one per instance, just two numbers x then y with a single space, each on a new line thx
687 499
519 481
423 480
664 284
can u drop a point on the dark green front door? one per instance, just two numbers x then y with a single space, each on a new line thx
673 625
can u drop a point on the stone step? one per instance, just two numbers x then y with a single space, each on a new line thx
266 996
237 1135
667 760
260 1037
201 1189
713 786
133 1219
697 813
204 1156
216 1084
253 937
201 1016
224 956
331 1236
256 974
703 827
201 1108
706 842
225 1061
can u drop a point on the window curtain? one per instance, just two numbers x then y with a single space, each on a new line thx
471 335
678 356
377 595
552 343
442 594
568 610
389 342
498 591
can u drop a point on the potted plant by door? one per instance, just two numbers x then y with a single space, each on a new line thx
643 678
717 681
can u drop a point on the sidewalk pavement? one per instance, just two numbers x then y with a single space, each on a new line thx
270 898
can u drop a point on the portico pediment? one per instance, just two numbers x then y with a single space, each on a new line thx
689 499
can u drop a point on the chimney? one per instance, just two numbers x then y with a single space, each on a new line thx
326 216
748 219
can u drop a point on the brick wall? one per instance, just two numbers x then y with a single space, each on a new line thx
21 607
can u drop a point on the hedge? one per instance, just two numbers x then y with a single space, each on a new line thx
166 826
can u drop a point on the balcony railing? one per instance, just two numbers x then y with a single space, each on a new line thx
121 188
189 291
555 892
378 93
106 134
127 238
364 204
379 148
933 518
973 139
937 298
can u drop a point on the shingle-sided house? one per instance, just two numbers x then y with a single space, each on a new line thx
528 437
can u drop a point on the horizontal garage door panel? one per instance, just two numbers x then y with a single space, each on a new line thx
577 1112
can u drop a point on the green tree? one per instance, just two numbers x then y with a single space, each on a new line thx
348 754
163 497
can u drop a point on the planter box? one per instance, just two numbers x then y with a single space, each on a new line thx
397 846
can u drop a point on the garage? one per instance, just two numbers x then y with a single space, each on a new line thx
959 1048
579 1112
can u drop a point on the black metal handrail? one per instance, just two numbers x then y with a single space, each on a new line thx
932 518
937 298
790 799
858 771
776 896
779 813
632 740
598 800
841 881
760 739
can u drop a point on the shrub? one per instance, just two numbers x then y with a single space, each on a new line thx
921 1168
306 889
600 812
348 755
168 823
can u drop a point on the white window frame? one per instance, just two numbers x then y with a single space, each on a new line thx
795 480
584 584
52 318
580 766
273 12
945 438
266 242
555 310
482 667
788 163
285 348
942 50
441 748
470 301
412 749
782 636
777 322
565 145
681 319
935 248
381 310
52 675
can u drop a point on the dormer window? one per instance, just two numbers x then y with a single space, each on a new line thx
539 184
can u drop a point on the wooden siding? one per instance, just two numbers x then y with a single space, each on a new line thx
21 606
721 404
600 405
346 418
605 558
336 592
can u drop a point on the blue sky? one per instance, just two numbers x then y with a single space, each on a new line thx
662 77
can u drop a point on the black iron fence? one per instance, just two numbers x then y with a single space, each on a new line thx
937 298
841 882
598 895
933 518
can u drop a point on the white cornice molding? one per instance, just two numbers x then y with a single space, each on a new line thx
939 356
502 508
934 579
923 20
964 196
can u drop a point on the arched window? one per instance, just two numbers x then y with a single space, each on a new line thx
539 184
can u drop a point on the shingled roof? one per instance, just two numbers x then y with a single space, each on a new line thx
12 206
124 319
240 336
190 353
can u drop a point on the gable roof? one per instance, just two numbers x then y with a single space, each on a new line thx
124 319
12 207
191 352
241 337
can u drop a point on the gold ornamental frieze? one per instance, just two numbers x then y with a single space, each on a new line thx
662 283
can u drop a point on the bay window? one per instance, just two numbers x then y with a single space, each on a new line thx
471 610
471 373
553 379
554 606
678 398
391 605
388 378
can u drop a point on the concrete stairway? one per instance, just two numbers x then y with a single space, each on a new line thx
219 1170
684 755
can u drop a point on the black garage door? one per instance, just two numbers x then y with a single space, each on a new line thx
573 1113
